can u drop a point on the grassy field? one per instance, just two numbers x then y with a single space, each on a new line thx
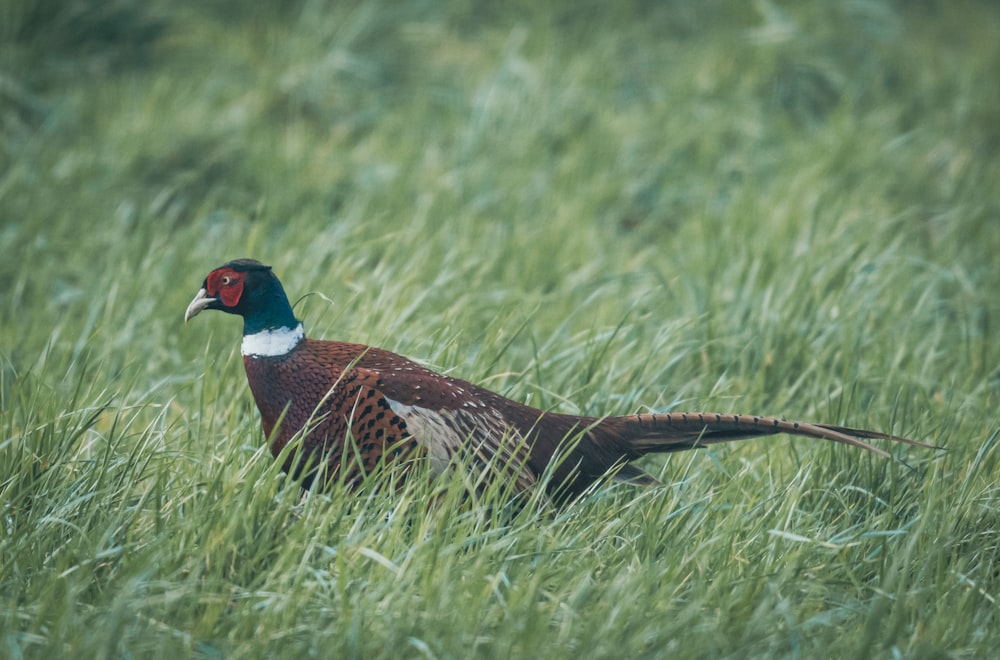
781 208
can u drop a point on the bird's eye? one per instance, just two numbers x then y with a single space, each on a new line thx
226 280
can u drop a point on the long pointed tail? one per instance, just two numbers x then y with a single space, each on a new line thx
669 432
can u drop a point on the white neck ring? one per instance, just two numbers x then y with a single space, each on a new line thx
272 343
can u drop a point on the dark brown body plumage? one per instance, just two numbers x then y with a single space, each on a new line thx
337 386
390 407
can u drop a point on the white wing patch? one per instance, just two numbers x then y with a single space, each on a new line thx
483 436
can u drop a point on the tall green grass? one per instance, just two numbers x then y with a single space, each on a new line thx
599 208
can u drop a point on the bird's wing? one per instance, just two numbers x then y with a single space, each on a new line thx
450 426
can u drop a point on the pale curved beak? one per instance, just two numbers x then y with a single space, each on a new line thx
200 302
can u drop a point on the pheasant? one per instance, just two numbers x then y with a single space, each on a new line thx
352 407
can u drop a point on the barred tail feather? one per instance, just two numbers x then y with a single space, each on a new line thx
669 432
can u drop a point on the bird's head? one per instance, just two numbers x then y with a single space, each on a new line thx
248 288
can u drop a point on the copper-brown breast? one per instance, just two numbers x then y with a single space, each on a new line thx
310 387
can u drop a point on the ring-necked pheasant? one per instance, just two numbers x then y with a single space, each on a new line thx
393 407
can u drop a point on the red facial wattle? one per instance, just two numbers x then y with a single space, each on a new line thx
226 285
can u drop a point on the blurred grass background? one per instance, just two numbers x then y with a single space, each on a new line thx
783 208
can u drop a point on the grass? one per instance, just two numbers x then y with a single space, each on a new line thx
603 209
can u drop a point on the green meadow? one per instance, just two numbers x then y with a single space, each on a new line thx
593 207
